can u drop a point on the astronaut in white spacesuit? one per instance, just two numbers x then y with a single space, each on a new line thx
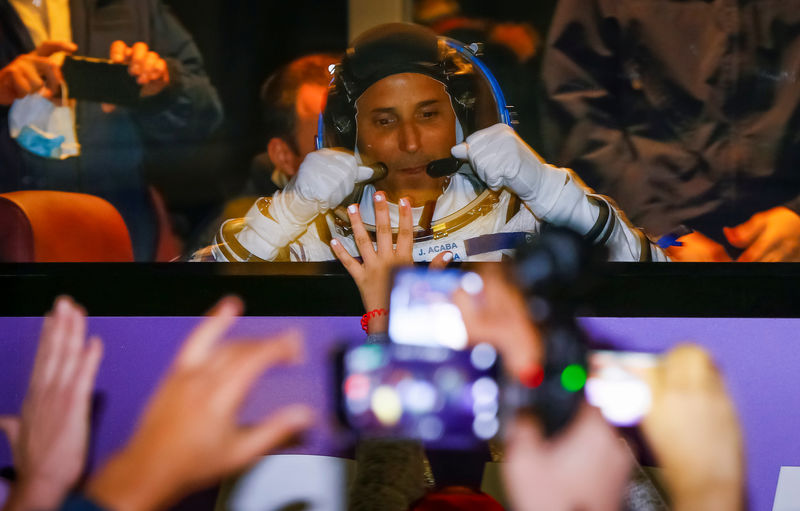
400 99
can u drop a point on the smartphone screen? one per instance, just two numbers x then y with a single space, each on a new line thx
421 311
99 80
617 385
445 398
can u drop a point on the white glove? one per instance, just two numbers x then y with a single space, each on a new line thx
501 159
325 178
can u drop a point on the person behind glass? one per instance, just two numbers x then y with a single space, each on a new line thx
91 147
402 98
291 100
694 134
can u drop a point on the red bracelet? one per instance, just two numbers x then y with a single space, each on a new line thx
369 315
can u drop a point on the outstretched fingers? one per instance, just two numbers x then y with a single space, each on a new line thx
441 261
201 341
362 239
405 230
383 226
351 264
272 432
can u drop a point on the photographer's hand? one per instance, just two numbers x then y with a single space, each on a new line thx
693 430
188 436
32 72
585 467
148 67
48 441
373 275
499 316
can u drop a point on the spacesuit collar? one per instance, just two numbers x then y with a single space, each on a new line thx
459 192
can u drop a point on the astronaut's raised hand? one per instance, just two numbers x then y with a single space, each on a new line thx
326 177
501 159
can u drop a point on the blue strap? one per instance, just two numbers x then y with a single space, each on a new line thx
669 240
494 242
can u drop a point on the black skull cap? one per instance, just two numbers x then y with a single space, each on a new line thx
390 49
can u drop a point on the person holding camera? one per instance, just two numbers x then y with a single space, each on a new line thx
93 147
692 427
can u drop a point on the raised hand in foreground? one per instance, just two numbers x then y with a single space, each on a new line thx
373 274
49 438
694 432
188 437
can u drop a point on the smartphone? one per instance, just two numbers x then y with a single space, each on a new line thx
421 311
445 398
99 80
617 385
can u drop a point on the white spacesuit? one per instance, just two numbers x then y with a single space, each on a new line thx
502 192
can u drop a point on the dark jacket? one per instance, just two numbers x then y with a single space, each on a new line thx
684 111
114 146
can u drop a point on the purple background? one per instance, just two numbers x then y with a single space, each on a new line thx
759 358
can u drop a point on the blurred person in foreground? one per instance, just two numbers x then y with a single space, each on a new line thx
692 426
187 438
291 100
687 114
402 99
94 148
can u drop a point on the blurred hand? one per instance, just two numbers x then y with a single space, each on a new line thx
499 316
373 275
149 69
188 437
33 71
694 433
48 440
698 248
769 236
585 467
520 38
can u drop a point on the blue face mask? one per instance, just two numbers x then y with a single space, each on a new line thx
43 128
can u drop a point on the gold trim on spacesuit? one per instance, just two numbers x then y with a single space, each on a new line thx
482 205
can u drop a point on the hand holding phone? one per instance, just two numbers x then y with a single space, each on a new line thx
618 385
99 80
148 69
445 398
31 72
694 431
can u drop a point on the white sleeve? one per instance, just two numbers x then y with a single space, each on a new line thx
264 234
564 200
